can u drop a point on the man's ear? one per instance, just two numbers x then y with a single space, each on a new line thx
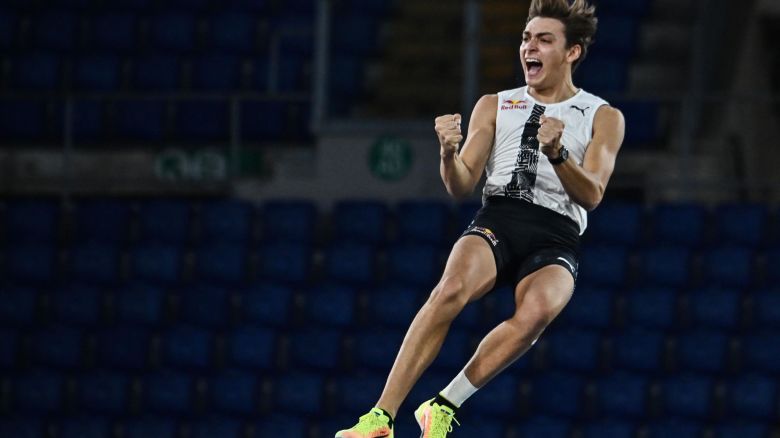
573 53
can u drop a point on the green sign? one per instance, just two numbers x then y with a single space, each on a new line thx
390 158
176 165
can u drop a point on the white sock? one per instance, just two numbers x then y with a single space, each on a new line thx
459 390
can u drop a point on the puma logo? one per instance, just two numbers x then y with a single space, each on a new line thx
582 110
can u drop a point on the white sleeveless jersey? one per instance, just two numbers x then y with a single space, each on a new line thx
517 169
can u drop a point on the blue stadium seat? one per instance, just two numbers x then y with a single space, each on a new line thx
643 123
618 35
188 347
267 304
288 263
574 349
55 30
423 222
38 391
58 346
639 349
282 425
603 73
360 221
97 73
289 221
217 72
9 348
155 263
616 224
9 30
36 72
31 221
224 264
18 306
687 395
202 121
252 347
150 426
741 224
428 386
609 428
235 392
716 307
761 351
345 73
157 72
370 385
484 428
214 426
300 393
316 348
702 350
77 304
351 263
167 392
414 265
753 396
233 32
22 120
133 5
94 263
102 220
540 426
140 304
32 264
498 397
729 266
206 306
604 265
454 352
22 427
124 348
173 31
766 308
623 394
355 35
652 307
665 266
635 8
741 429
72 4
88 120
264 121
394 305
557 393
678 224
165 221
104 392
140 120
226 221
114 32
674 426
85 427
590 307
332 305
465 214
377 349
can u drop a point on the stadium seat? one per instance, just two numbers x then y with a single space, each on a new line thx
102 221
483 428
703 351
38 392
300 393
319 349
32 221
124 347
678 224
285 262
173 32
652 307
393 305
729 266
217 72
741 429
557 393
188 347
167 392
214 426
574 349
618 35
761 351
150 426
36 72
639 349
741 224
77 304
252 347
355 35
766 308
22 427
716 307
141 304
104 392
289 221
609 428
235 392
97 73
590 307
350 263
94 263
615 224
32 264
23 120
142 120
55 30
233 32
157 72
267 304
454 352
376 349
205 306
18 305
360 221
623 394
9 348
156 264
332 305
226 221
665 266
263 121
165 221
674 426
9 29
687 395
199 121
224 264
540 426
282 425
604 265
58 346
635 8
414 265
423 222
498 397
370 385
643 124
753 396
603 73
114 32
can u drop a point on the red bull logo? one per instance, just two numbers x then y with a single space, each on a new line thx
509 104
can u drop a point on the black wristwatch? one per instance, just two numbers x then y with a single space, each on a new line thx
563 156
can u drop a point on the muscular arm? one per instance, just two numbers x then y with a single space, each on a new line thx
585 184
461 171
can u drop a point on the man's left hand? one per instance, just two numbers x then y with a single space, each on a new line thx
549 136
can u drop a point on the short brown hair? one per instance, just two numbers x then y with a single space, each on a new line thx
578 18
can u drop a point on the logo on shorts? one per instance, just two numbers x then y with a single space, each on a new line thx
486 232
509 104
572 268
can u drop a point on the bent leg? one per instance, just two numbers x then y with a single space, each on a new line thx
469 274
539 298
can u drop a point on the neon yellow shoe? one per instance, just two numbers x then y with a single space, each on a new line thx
435 420
375 424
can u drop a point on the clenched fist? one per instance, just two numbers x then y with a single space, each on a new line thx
448 130
549 136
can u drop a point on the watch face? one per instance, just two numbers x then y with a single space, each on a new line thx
564 154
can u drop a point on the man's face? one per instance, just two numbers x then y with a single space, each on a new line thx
543 52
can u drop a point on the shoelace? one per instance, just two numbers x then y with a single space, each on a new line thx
441 422
370 422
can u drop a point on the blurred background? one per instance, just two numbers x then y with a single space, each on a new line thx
219 217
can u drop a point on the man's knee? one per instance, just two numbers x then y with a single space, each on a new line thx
450 292
539 308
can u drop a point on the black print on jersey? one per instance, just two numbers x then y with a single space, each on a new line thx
582 110
524 176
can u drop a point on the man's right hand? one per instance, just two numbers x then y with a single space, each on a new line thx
448 130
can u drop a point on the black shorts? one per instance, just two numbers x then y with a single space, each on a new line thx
525 237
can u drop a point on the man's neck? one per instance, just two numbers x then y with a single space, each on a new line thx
564 90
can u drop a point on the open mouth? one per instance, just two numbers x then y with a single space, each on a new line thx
534 66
